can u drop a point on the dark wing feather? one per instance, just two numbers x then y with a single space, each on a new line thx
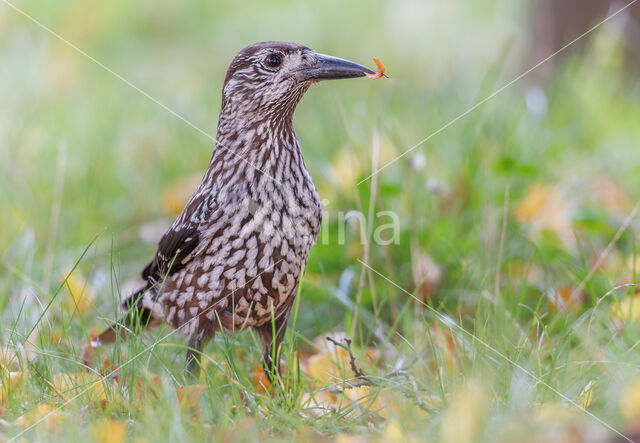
175 249
173 253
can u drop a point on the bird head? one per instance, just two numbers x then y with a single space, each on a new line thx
269 78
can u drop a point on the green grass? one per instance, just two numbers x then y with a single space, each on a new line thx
87 164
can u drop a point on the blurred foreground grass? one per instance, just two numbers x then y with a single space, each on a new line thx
84 155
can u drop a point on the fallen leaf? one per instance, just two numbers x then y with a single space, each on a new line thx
206 361
546 209
563 423
630 402
535 197
397 404
80 297
329 367
9 381
393 432
586 395
628 309
261 380
320 403
462 420
443 341
8 359
349 438
148 390
373 355
189 398
109 431
367 398
563 299
48 415
90 385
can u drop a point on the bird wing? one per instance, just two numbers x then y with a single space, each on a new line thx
174 252
177 246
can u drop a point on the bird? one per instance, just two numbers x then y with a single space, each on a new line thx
234 256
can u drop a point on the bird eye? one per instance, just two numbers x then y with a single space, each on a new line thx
273 60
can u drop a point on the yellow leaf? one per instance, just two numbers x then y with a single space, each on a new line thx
44 413
147 391
393 432
109 431
628 309
9 381
398 405
319 403
444 342
546 208
535 197
586 395
462 420
206 361
189 398
324 367
630 401
367 398
8 359
91 385
349 438
80 297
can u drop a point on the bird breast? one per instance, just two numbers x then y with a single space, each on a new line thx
255 244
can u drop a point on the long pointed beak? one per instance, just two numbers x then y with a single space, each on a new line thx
331 68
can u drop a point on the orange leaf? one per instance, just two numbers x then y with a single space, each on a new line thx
262 381
563 299
379 71
443 341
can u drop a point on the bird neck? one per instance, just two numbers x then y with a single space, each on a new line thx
257 147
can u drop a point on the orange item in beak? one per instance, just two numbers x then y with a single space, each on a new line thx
379 71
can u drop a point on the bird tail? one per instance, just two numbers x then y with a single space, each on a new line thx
137 317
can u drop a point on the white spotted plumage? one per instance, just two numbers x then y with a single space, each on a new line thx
256 213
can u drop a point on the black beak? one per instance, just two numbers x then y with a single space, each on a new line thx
331 68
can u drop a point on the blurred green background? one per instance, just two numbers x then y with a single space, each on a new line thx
81 151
